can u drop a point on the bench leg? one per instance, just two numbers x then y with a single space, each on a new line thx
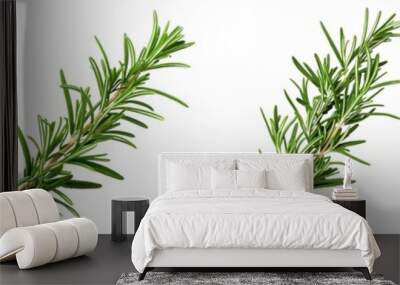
364 271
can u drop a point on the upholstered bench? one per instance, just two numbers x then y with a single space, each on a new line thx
31 232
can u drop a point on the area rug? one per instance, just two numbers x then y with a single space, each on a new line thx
268 278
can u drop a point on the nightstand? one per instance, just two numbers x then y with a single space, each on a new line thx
119 207
357 206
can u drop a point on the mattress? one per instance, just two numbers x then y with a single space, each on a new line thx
250 219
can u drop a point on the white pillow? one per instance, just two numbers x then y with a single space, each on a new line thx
193 174
223 179
251 178
188 177
293 178
281 174
237 179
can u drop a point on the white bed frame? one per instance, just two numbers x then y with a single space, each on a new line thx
250 257
246 257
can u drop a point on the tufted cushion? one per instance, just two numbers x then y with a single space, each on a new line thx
7 220
46 208
67 237
87 235
26 208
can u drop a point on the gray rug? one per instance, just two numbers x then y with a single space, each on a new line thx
269 278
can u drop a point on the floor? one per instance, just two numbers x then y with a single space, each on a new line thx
103 266
110 260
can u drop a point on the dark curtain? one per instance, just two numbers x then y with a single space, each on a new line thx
8 97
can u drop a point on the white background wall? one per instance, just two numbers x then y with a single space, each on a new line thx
241 61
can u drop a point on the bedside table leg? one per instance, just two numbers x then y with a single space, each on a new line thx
118 223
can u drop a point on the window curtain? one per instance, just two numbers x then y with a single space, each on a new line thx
8 97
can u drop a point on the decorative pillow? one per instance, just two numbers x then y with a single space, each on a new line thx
188 177
251 178
291 178
223 179
192 174
281 174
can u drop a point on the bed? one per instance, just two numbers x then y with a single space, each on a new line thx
242 210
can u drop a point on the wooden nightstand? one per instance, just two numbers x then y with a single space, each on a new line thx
357 206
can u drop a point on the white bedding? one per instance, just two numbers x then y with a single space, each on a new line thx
250 218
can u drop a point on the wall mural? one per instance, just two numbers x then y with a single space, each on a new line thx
334 97
72 140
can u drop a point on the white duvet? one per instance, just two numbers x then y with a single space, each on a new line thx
250 219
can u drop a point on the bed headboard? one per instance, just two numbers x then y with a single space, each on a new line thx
164 158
